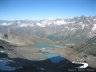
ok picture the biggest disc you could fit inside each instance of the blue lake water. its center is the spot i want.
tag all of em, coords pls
(45, 46)
(53, 57)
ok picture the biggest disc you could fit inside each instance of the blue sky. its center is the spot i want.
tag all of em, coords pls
(43, 9)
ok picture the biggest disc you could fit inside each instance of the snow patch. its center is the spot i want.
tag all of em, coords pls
(94, 27)
(26, 25)
(41, 25)
(6, 24)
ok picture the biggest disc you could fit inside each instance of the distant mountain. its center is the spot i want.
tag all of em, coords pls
(71, 31)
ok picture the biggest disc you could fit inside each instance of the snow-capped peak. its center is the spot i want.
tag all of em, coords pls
(5, 24)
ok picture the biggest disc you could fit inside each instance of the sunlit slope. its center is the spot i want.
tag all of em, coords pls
(19, 38)
(89, 46)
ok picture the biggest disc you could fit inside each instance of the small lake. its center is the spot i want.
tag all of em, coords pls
(53, 57)
(45, 46)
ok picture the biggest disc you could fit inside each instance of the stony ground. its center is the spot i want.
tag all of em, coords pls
(36, 54)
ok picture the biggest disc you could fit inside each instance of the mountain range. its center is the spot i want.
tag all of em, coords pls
(70, 32)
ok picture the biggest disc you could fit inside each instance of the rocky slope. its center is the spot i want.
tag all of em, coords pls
(71, 32)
